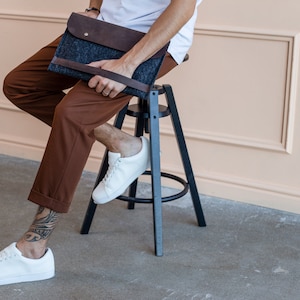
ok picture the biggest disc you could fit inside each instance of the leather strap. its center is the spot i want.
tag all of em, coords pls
(104, 73)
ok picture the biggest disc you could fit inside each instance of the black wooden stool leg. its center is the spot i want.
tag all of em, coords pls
(184, 155)
(90, 212)
(155, 171)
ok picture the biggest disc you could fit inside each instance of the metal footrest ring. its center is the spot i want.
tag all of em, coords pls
(163, 199)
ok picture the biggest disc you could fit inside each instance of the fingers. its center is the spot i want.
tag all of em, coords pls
(107, 92)
(99, 84)
(103, 86)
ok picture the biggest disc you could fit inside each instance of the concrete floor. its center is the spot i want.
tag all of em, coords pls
(245, 252)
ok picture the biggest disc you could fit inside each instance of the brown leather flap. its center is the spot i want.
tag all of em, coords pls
(106, 34)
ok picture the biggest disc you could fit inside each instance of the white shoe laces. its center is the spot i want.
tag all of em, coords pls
(111, 170)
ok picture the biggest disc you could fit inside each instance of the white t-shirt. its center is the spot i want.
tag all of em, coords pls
(140, 15)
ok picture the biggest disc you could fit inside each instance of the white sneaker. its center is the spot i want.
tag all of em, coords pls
(15, 268)
(122, 171)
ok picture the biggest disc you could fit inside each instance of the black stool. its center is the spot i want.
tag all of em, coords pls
(147, 114)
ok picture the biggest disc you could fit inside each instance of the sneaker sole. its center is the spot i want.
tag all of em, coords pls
(28, 278)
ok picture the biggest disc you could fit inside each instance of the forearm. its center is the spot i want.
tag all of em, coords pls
(160, 33)
(165, 27)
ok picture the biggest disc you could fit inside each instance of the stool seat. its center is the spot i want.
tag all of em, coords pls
(147, 113)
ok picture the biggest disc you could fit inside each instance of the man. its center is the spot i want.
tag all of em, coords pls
(79, 117)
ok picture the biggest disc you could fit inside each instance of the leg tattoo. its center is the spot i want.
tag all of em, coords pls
(42, 226)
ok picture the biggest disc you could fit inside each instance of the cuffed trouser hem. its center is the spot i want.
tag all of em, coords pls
(48, 202)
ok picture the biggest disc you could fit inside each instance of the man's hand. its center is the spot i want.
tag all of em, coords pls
(105, 86)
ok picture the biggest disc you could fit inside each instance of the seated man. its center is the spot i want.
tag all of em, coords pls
(79, 117)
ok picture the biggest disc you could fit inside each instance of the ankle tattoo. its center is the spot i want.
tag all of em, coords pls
(42, 226)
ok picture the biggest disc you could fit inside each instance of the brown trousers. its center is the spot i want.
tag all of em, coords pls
(72, 116)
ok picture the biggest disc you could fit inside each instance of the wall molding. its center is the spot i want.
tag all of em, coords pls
(212, 137)
(292, 40)
(6, 105)
(244, 190)
(265, 187)
(190, 134)
(33, 16)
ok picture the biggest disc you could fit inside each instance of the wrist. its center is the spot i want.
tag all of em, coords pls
(95, 9)
(130, 62)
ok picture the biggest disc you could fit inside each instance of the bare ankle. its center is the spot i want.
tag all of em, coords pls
(131, 147)
(117, 141)
(31, 250)
(34, 241)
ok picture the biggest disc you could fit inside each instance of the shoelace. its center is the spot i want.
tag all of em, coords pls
(111, 170)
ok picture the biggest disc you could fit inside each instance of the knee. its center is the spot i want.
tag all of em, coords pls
(19, 89)
(8, 87)
(11, 88)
